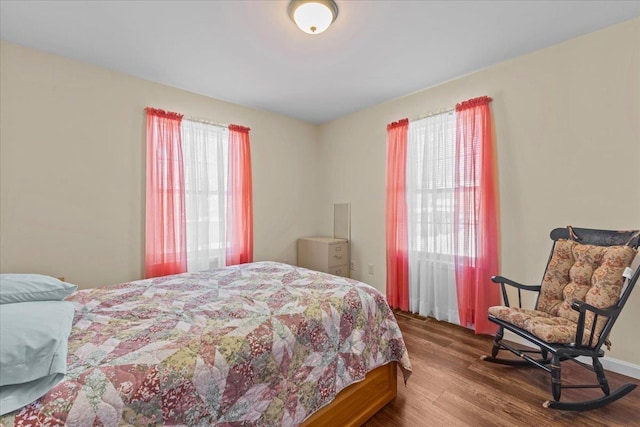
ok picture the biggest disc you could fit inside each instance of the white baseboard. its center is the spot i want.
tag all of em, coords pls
(609, 363)
(618, 366)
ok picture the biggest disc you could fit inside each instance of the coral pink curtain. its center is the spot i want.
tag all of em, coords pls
(240, 205)
(165, 233)
(475, 215)
(396, 216)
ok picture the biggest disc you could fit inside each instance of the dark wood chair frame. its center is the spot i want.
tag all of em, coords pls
(550, 354)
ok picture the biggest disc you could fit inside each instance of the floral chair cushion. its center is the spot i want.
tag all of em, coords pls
(575, 272)
(552, 329)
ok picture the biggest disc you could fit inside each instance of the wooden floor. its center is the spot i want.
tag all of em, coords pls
(451, 386)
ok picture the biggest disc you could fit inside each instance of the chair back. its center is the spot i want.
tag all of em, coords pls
(588, 265)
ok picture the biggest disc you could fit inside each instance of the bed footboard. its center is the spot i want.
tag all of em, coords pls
(357, 403)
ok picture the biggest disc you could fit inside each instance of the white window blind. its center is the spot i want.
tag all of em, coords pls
(205, 156)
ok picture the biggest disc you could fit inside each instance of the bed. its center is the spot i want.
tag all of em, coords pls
(264, 344)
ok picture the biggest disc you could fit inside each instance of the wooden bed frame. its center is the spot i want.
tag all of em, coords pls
(357, 403)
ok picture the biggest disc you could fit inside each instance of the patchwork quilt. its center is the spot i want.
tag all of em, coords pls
(263, 344)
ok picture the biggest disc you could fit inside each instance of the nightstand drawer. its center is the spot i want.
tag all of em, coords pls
(340, 270)
(338, 254)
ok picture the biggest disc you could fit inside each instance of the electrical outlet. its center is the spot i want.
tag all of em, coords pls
(370, 268)
(353, 265)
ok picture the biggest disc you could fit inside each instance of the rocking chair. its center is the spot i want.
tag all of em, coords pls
(582, 294)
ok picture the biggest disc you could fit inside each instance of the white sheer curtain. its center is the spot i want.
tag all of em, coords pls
(205, 148)
(430, 198)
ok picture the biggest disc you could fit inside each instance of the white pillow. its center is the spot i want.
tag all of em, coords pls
(33, 287)
(33, 354)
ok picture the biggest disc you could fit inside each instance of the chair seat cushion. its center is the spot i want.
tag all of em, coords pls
(551, 329)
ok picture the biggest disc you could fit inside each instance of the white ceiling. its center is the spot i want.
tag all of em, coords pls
(250, 53)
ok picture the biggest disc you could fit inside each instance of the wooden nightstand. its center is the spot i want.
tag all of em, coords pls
(324, 254)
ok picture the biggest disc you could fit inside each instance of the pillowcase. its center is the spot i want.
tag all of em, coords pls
(33, 287)
(33, 354)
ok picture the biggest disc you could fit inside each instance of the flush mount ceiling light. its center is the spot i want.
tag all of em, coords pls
(313, 16)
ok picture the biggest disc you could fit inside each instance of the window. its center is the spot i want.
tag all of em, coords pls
(441, 215)
(199, 198)
(430, 185)
(205, 152)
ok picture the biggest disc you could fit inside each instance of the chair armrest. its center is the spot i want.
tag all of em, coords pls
(504, 281)
(500, 279)
(582, 307)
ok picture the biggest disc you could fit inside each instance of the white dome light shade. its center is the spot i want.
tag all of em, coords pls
(313, 17)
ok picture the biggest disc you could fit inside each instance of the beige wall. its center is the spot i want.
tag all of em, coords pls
(567, 122)
(72, 168)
